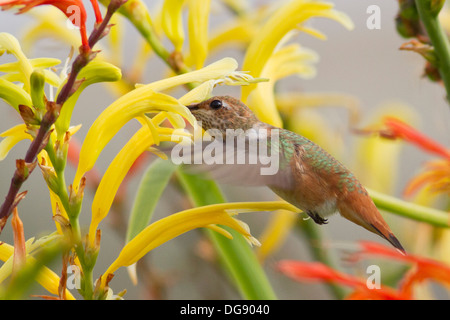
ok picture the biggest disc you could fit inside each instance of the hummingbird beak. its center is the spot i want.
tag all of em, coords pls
(193, 107)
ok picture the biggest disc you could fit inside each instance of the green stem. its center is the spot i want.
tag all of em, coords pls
(320, 253)
(410, 210)
(438, 39)
(239, 259)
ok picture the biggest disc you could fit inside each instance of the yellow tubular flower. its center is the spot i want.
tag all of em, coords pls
(176, 224)
(116, 172)
(142, 100)
(11, 45)
(287, 61)
(240, 32)
(221, 69)
(172, 22)
(198, 30)
(46, 277)
(14, 94)
(113, 118)
(199, 93)
(48, 25)
(281, 22)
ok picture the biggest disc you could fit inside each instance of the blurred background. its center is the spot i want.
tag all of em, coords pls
(365, 64)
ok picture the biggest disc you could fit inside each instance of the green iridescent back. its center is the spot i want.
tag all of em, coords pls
(319, 159)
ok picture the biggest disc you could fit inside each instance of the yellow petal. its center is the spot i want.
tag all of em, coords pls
(242, 30)
(199, 93)
(9, 43)
(290, 60)
(114, 176)
(274, 30)
(287, 61)
(313, 32)
(39, 63)
(218, 70)
(12, 137)
(14, 94)
(48, 25)
(239, 32)
(172, 22)
(198, 30)
(172, 226)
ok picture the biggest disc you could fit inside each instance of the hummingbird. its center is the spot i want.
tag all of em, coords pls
(308, 176)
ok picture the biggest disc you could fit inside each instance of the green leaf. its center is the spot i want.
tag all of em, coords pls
(151, 187)
(239, 259)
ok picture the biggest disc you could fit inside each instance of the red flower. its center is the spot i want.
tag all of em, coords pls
(437, 173)
(421, 269)
(316, 271)
(68, 7)
(399, 129)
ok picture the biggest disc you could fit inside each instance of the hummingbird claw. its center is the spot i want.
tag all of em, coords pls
(317, 218)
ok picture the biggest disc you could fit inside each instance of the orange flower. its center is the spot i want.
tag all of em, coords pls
(399, 129)
(68, 7)
(437, 173)
(421, 269)
(316, 271)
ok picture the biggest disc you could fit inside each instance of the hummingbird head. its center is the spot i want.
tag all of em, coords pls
(223, 112)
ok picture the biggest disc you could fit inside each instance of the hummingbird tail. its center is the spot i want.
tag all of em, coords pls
(391, 238)
(367, 216)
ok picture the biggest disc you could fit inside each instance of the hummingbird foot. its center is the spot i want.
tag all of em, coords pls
(317, 218)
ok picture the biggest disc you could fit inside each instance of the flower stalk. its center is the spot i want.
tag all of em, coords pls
(428, 14)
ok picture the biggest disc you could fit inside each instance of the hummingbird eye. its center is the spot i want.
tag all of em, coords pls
(216, 104)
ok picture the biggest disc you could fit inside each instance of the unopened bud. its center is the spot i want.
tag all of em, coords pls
(76, 197)
(50, 177)
(37, 83)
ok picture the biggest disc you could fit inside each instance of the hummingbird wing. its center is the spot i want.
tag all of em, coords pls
(247, 160)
